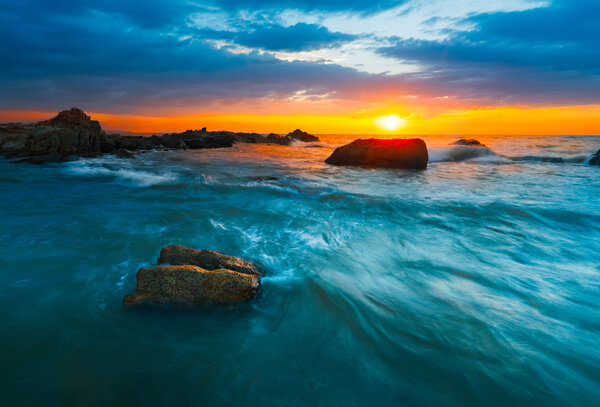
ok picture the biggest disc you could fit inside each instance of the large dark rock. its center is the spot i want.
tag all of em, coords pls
(382, 153)
(468, 142)
(207, 259)
(595, 159)
(70, 133)
(74, 119)
(190, 286)
(302, 136)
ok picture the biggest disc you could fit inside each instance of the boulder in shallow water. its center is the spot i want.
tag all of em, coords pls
(595, 159)
(470, 142)
(189, 286)
(382, 153)
(207, 259)
(302, 136)
(122, 153)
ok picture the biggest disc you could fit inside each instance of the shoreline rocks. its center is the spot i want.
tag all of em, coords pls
(382, 153)
(188, 278)
(72, 133)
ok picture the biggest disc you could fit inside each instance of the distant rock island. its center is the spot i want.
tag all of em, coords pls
(72, 133)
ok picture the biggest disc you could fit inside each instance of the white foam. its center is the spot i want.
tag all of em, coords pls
(135, 177)
(461, 153)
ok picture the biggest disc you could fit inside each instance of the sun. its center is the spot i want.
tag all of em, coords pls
(391, 122)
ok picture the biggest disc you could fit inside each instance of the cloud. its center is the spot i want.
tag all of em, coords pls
(362, 6)
(105, 60)
(546, 54)
(298, 37)
(120, 56)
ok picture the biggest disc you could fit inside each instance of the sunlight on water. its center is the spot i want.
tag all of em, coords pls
(476, 279)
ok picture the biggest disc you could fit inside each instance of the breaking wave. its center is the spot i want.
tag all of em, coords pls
(113, 168)
(463, 153)
(484, 154)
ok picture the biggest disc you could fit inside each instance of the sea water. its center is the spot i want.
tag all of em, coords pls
(474, 282)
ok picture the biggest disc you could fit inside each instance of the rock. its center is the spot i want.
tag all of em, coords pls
(74, 119)
(190, 286)
(207, 259)
(264, 178)
(72, 133)
(595, 159)
(382, 153)
(302, 136)
(277, 139)
(122, 153)
(196, 139)
(13, 143)
(468, 142)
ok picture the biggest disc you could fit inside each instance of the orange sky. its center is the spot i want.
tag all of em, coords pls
(576, 120)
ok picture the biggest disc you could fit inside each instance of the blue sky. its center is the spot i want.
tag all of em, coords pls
(131, 56)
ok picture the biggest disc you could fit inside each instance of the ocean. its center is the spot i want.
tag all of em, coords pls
(474, 282)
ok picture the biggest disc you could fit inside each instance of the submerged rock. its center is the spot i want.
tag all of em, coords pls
(207, 259)
(468, 142)
(302, 136)
(382, 153)
(190, 286)
(122, 153)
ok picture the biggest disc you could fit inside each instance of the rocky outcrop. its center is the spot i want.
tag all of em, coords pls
(382, 153)
(207, 259)
(74, 119)
(302, 136)
(595, 159)
(72, 133)
(190, 286)
(188, 278)
(468, 142)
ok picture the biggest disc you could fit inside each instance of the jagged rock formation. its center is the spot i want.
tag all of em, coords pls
(72, 133)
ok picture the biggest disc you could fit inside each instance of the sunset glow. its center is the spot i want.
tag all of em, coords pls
(408, 67)
(390, 123)
(576, 120)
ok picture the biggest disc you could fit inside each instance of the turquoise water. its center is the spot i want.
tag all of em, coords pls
(475, 282)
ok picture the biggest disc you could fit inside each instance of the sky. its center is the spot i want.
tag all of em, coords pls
(354, 66)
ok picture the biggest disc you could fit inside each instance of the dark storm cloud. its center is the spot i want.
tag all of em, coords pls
(549, 54)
